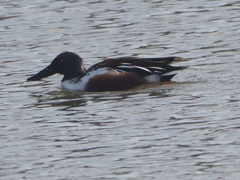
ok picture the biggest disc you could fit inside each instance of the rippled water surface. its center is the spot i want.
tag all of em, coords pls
(185, 129)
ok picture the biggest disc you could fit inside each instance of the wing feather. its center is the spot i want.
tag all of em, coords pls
(141, 66)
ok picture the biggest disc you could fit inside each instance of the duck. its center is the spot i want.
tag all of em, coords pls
(111, 74)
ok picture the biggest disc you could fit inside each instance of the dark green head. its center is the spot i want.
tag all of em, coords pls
(67, 63)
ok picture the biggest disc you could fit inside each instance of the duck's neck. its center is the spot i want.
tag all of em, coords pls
(77, 71)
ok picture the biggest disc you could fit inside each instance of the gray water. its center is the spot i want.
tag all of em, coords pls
(185, 129)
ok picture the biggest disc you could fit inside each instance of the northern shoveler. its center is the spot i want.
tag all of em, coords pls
(114, 74)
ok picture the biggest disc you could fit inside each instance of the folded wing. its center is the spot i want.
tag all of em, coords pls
(143, 67)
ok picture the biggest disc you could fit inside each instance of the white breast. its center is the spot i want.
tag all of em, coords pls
(75, 84)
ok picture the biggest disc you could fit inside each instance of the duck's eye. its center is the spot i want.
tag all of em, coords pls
(61, 60)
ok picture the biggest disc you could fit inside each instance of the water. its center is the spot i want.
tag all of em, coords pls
(185, 129)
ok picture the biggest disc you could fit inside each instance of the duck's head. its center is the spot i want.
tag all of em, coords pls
(67, 63)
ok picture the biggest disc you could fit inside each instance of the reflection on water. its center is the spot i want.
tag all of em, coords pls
(185, 129)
